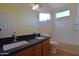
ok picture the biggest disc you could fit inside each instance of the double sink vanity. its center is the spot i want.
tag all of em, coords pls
(26, 45)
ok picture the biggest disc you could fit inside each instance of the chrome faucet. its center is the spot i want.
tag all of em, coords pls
(15, 37)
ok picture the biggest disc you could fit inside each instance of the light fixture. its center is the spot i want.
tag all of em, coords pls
(35, 6)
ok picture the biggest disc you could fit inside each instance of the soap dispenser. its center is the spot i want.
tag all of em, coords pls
(14, 36)
(0, 29)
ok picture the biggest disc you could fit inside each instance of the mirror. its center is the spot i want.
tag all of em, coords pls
(19, 18)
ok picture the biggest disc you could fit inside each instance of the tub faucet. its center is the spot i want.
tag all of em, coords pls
(14, 36)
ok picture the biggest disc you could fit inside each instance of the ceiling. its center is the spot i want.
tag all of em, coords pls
(45, 7)
(56, 5)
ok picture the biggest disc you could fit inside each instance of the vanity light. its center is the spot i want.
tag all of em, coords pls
(35, 6)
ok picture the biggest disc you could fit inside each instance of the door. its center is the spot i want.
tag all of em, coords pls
(63, 29)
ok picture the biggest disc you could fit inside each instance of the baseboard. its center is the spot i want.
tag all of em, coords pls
(70, 52)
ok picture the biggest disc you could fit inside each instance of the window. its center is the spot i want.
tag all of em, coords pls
(44, 16)
(63, 14)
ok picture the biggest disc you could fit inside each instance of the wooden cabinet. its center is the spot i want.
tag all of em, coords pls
(45, 48)
(25, 52)
(37, 49)
(40, 49)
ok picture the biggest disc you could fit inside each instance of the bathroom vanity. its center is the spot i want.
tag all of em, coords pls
(39, 49)
(32, 47)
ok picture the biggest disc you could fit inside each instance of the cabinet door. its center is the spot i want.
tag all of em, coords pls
(25, 52)
(45, 48)
(37, 49)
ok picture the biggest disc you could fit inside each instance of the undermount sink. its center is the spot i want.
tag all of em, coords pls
(40, 37)
(14, 45)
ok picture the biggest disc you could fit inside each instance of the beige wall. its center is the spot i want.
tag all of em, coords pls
(17, 17)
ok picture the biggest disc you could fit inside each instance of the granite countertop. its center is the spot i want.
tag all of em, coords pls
(12, 51)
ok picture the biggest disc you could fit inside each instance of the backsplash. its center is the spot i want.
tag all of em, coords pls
(6, 40)
(19, 38)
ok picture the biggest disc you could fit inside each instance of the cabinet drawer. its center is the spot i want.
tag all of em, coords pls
(37, 53)
(37, 46)
(38, 50)
(46, 42)
(25, 52)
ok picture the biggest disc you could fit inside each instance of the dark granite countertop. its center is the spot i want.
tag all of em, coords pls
(12, 51)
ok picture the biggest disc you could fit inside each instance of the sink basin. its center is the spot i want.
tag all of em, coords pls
(14, 45)
(40, 37)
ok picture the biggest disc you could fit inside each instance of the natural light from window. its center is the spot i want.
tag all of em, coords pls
(44, 16)
(63, 14)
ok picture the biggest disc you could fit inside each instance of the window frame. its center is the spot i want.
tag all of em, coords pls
(42, 16)
(63, 12)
